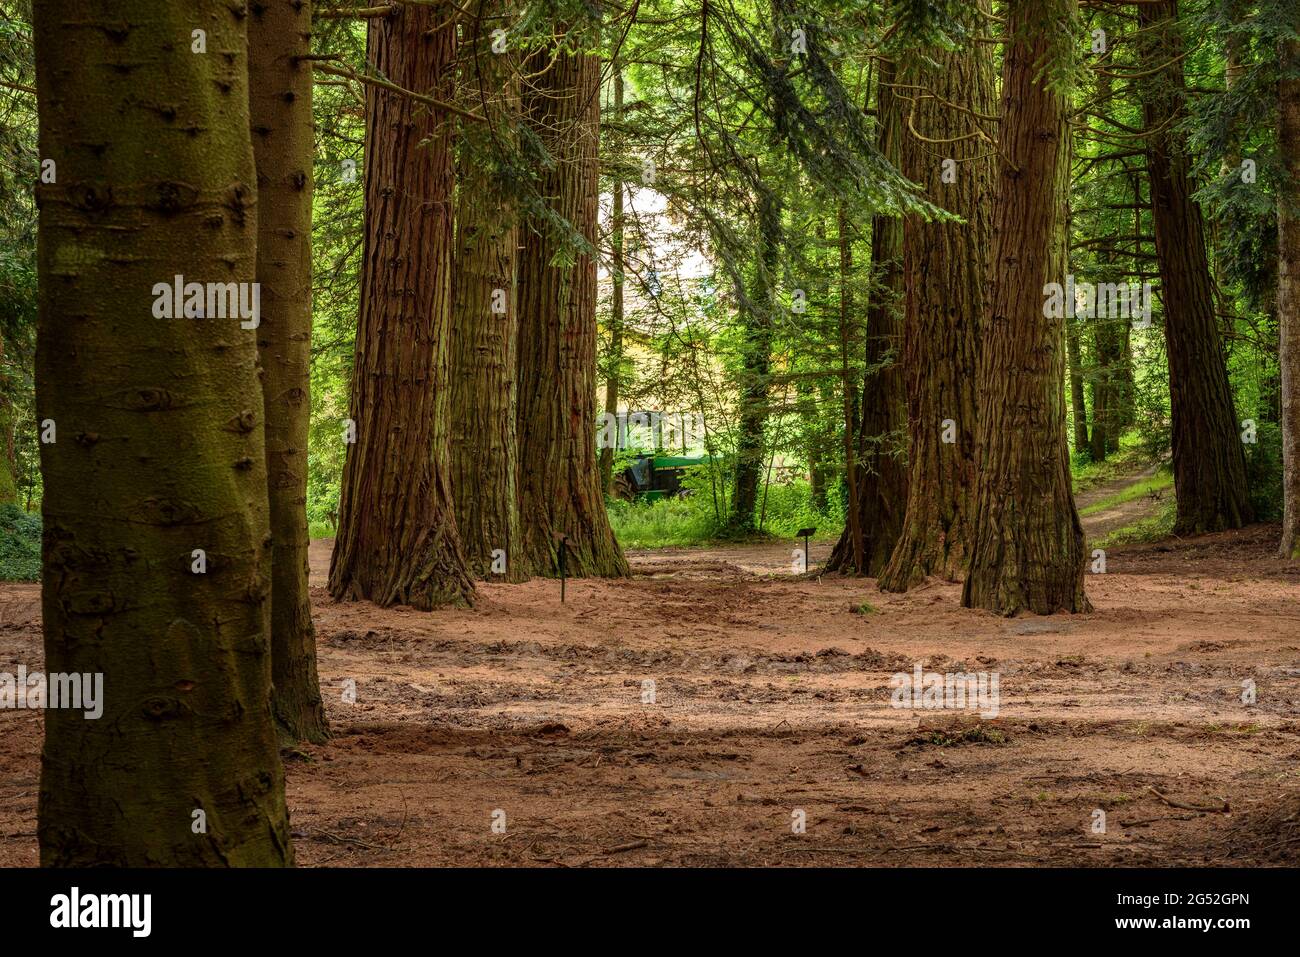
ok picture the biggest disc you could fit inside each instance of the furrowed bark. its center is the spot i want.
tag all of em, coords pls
(159, 449)
(1288, 294)
(280, 94)
(485, 321)
(946, 264)
(397, 541)
(559, 484)
(1028, 546)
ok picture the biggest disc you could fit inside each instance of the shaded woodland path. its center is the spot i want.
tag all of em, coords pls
(1097, 525)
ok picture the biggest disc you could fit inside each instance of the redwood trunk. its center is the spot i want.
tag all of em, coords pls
(1028, 546)
(945, 265)
(485, 325)
(1209, 461)
(559, 483)
(397, 542)
(1288, 294)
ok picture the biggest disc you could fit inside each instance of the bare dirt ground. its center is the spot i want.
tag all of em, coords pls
(772, 696)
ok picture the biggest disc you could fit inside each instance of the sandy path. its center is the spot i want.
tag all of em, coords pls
(772, 697)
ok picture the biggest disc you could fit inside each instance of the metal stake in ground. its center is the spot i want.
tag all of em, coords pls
(804, 533)
(564, 556)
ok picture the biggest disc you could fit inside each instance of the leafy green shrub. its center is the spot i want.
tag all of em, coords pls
(666, 522)
(690, 519)
(1264, 472)
(20, 545)
(790, 507)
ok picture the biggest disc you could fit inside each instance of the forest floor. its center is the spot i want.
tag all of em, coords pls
(772, 696)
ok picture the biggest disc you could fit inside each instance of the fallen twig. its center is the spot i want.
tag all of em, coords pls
(1184, 806)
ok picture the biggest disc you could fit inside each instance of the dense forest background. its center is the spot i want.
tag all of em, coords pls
(739, 178)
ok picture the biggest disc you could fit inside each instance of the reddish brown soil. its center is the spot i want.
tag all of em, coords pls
(772, 696)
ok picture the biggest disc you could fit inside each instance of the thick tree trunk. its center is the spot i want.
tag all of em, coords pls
(1028, 548)
(881, 441)
(280, 88)
(484, 453)
(559, 485)
(397, 542)
(1209, 461)
(159, 450)
(1288, 293)
(946, 266)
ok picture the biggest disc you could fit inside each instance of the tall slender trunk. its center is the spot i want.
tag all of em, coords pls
(946, 266)
(1109, 345)
(1234, 68)
(1209, 461)
(883, 473)
(1288, 289)
(484, 453)
(559, 485)
(280, 88)
(397, 541)
(756, 362)
(1078, 407)
(811, 430)
(1028, 550)
(157, 545)
(850, 551)
(8, 461)
(614, 357)
(1124, 400)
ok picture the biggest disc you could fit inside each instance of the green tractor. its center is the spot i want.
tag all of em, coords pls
(652, 477)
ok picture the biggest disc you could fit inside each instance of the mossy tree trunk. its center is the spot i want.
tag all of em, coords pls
(280, 88)
(1027, 549)
(159, 449)
(397, 540)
